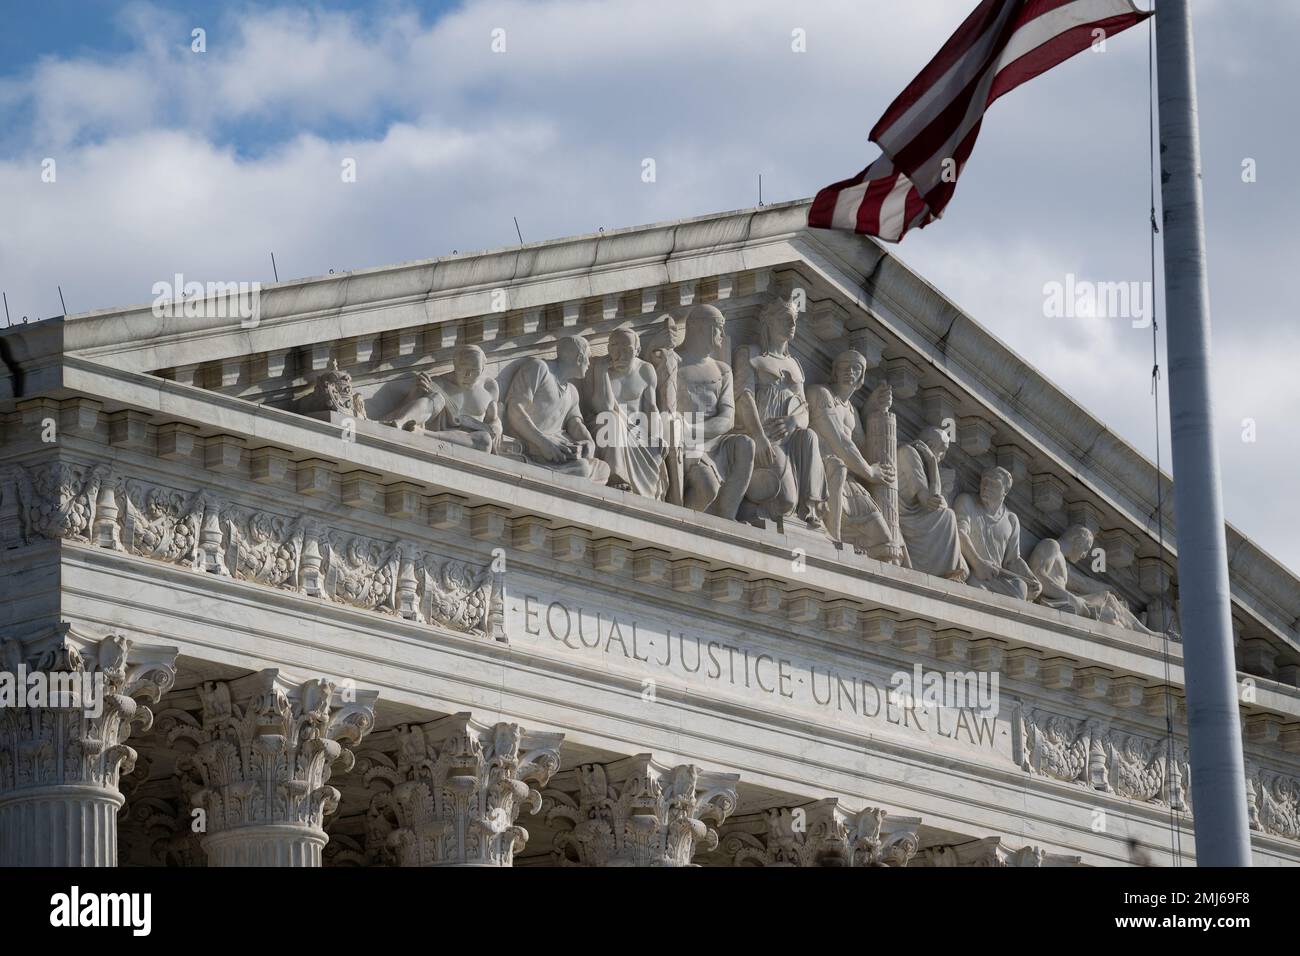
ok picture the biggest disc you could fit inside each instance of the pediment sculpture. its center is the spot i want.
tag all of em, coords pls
(664, 416)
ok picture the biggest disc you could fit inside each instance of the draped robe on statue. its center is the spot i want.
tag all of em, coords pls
(930, 534)
(626, 429)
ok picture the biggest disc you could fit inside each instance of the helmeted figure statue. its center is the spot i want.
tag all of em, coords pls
(928, 525)
(1066, 588)
(853, 514)
(773, 410)
(990, 539)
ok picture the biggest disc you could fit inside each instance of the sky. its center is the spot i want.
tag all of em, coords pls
(458, 117)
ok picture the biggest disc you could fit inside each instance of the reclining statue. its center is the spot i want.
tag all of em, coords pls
(1066, 588)
(460, 406)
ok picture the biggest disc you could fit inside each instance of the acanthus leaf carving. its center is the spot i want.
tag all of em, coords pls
(97, 695)
(638, 812)
(457, 790)
(823, 834)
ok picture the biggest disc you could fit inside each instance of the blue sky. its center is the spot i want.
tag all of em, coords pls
(171, 161)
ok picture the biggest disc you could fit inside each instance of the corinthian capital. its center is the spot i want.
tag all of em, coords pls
(68, 704)
(260, 761)
(821, 834)
(991, 851)
(639, 812)
(457, 789)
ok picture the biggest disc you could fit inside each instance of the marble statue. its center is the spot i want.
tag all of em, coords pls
(1066, 588)
(928, 525)
(990, 539)
(461, 406)
(773, 410)
(620, 395)
(853, 514)
(544, 413)
(717, 462)
(332, 392)
(659, 348)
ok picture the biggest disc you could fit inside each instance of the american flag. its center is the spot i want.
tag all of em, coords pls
(927, 134)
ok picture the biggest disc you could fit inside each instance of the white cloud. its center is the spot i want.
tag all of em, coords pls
(203, 163)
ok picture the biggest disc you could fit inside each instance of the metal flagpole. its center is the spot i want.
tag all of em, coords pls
(1218, 772)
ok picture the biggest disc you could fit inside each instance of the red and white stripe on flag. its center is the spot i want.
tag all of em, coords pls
(927, 134)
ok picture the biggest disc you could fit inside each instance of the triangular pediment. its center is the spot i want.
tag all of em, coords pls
(382, 326)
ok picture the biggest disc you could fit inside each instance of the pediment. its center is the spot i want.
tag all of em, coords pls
(383, 326)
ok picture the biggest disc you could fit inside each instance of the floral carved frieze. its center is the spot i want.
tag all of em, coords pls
(1091, 753)
(59, 500)
(201, 531)
(1273, 802)
(1139, 767)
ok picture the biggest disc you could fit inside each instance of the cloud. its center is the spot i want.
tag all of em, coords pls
(173, 161)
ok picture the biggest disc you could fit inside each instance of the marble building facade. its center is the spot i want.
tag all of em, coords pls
(605, 551)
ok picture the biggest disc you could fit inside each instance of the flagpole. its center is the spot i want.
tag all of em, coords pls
(1218, 772)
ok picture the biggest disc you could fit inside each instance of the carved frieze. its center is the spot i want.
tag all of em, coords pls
(202, 532)
(1273, 802)
(60, 499)
(163, 524)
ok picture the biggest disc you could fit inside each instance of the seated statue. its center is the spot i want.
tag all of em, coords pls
(620, 398)
(460, 406)
(928, 526)
(773, 411)
(543, 412)
(832, 415)
(1066, 588)
(990, 539)
(716, 462)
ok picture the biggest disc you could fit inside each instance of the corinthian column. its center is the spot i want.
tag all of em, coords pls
(67, 706)
(639, 812)
(262, 756)
(458, 787)
(993, 852)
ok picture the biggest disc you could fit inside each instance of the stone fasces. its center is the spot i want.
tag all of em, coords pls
(638, 812)
(454, 793)
(257, 761)
(61, 759)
